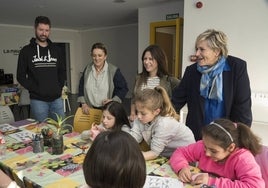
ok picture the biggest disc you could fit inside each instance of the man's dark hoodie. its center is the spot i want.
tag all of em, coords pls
(41, 70)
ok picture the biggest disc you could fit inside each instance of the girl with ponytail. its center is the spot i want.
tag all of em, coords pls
(158, 125)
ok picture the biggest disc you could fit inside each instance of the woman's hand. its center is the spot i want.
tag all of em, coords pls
(105, 101)
(185, 175)
(85, 109)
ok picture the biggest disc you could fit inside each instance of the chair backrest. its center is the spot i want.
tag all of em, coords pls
(6, 115)
(30, 184)
(24, 97)
(83, 122)
(262, 160)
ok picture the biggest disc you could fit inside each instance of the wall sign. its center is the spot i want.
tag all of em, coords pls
(172, 16)
(12, 51)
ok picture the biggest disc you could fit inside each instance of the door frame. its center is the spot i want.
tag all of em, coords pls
(178, 24)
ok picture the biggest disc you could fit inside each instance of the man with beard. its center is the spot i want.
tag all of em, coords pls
(41, 71)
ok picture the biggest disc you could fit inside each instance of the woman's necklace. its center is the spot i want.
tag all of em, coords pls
(99, 69)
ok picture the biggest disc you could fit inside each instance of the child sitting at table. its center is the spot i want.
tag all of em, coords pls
(114, 160)
(114, 117)
(226, 155)
(157, 124)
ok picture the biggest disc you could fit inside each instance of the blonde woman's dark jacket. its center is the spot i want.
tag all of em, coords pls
(236, 94)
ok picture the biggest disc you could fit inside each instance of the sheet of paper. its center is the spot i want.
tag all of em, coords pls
(23, 136)
(162, 182)
(6, 127)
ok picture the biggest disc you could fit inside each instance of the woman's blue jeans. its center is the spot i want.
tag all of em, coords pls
(41, 109)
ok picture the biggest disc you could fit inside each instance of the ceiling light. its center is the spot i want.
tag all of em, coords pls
(119, 1)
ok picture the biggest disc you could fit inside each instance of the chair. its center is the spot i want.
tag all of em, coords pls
(30, 184)
(144, 146)
(24, 103)
(83, 122)
(262, 160)
(6, 115)
(65, 98)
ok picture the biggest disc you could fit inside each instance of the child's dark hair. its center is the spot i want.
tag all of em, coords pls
(225, 132)
(43, 20)
(156, 98)
(117, 110)
(114, 160)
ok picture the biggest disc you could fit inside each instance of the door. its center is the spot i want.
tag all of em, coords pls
(170, 33)
(65, 50)
(165, 40)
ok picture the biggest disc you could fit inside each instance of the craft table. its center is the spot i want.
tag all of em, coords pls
(56, 171)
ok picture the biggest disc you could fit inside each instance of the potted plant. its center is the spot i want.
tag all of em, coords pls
(57, 136)
(47, 134)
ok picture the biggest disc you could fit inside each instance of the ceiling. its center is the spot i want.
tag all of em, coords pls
(75, 14)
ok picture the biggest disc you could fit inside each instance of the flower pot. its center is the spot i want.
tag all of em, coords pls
(57, 144)
(48, 141)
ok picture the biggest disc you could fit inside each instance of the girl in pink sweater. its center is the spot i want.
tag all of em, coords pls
(226, 155)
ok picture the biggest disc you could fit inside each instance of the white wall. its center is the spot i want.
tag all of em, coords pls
(154, 14)
(245, 22)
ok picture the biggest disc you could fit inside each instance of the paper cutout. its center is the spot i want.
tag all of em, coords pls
(162, 182)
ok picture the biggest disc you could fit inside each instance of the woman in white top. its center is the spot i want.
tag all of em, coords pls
(101, 82)
(154, 74)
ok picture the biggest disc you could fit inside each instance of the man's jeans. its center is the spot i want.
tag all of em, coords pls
(42, 110)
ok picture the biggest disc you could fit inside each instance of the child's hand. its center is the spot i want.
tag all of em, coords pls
(87, 134)
(94, 126)
(94, 133)
(199, 179)
(132, 117)
(101, 129)
(185, 175)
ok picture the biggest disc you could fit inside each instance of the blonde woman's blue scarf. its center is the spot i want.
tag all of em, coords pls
(211, 80)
